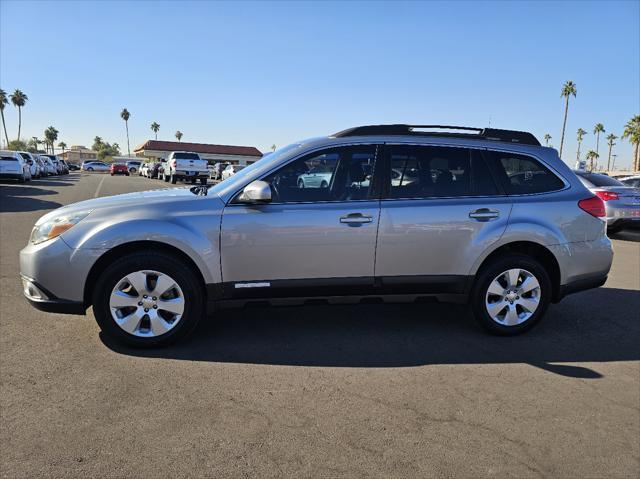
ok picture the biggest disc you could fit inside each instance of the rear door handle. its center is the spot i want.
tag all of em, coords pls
(484, 214)
(355, 219)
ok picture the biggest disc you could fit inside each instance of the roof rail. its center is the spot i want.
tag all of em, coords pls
(510, 136)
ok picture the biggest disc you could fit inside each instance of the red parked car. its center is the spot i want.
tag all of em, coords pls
(119, 169)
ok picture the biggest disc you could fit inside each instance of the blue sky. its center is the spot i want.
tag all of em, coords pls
(262, 73)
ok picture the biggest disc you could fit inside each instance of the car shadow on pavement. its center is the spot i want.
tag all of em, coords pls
(597, 326)
(19, 198)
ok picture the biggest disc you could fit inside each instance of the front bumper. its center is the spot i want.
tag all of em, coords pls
(46, 301)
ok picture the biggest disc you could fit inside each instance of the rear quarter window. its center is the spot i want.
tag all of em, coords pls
(522, 174)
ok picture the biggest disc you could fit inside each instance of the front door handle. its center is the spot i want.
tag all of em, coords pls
(484, 214)
(355, 219)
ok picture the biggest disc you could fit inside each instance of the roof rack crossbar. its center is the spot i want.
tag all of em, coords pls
(511, 136)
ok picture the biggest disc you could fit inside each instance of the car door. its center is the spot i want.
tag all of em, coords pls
(440, 210)
(306, 241)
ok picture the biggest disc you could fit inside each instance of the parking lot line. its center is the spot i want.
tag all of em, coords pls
(99, 187)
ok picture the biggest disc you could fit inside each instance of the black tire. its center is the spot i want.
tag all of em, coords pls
(158, 261)
(193, 181)
(89, 169)
(173, 179)
(614, 229)
(203, 181)
(485, 277)
(165, 178)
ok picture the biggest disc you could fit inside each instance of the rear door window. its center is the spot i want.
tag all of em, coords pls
(8, 158)
(522, 174)
(438, 172)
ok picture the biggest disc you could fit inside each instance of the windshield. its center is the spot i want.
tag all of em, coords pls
(8, 158)
(600, 180)
(240, 175)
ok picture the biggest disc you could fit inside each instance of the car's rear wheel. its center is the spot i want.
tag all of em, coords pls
(203, 181)
(511, 294)
(89, 169)
(148, 300)
(173, 179)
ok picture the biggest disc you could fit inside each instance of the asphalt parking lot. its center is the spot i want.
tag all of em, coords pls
(325, 391)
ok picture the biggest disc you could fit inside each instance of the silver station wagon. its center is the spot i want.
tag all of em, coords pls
(481, 216)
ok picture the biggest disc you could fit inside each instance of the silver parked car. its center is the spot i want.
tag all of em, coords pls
(13, 166)
(488, 217)
(95, 165)
(622, 202)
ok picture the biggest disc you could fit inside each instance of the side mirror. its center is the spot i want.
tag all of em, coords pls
(256, 192)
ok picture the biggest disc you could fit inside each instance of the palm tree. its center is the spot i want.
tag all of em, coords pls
(4, 102)
(124, 114)
(154, 128)
(632, 132)
(611, 138)
(63, 146)
(19, 99)
(179, 135)
(50, 136)
(599, 128)
(547, 137)
(273, 147)
(568, 89)
(579, 137)
(592, 155)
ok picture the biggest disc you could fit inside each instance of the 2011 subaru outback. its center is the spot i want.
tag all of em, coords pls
(483, 216)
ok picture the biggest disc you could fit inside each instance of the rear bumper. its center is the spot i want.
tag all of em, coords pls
(192, 174)
(580, 285)
(11, 176)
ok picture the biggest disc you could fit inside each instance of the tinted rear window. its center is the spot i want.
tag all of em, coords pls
(600, 180)
(186, 156)
(521, 174)
(8, 158)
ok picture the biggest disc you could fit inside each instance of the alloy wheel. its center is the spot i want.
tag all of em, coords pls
(147, 303)
(513, 297)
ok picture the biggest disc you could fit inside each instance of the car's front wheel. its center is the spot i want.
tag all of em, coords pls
(511, 294)
(148, 300)
(173, 179)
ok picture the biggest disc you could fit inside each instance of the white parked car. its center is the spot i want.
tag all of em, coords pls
(186, 166)
(49, 167)
(231, 170)
(13, 166)
(144, 169)
(95, 166)
(133, 166)
(630, 180)
(34, 167)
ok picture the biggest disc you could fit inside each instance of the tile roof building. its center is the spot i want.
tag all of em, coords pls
(238, 155)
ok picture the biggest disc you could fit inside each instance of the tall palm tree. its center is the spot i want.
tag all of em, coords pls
(4, 102)
(632, 132)
(568, 89)
(547, 137)
(579, 136)
(611, 138)
(124, 114)
(599, 128)
(154, 128)
(592, 155)
(50, 136)
(179, 135)
(19, 99)
(62, 145)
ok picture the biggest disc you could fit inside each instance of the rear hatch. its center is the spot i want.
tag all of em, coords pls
(9, 164)
(190, 162)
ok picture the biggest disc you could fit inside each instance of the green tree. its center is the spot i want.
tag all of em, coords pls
(547, 137)
(632, 132)
(63, 146)
(97, 144)
(17, 145)
(154, 128)
(32, 144)
(579, 136)
(19, 99)
(4, 101)
(179, 135)
(591, 156)
(611, 138)
(125, 115)
(599, 128)
(568, 89)
(273, 147)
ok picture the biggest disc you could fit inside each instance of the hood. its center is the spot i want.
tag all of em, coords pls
(141, 198)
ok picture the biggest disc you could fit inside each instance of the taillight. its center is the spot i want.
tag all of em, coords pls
(594, 206)
(607, 195)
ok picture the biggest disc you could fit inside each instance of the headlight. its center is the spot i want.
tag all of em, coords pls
(56, 226)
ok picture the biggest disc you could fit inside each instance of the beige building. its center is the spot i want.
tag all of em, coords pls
(237, 155)
(78, 154)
